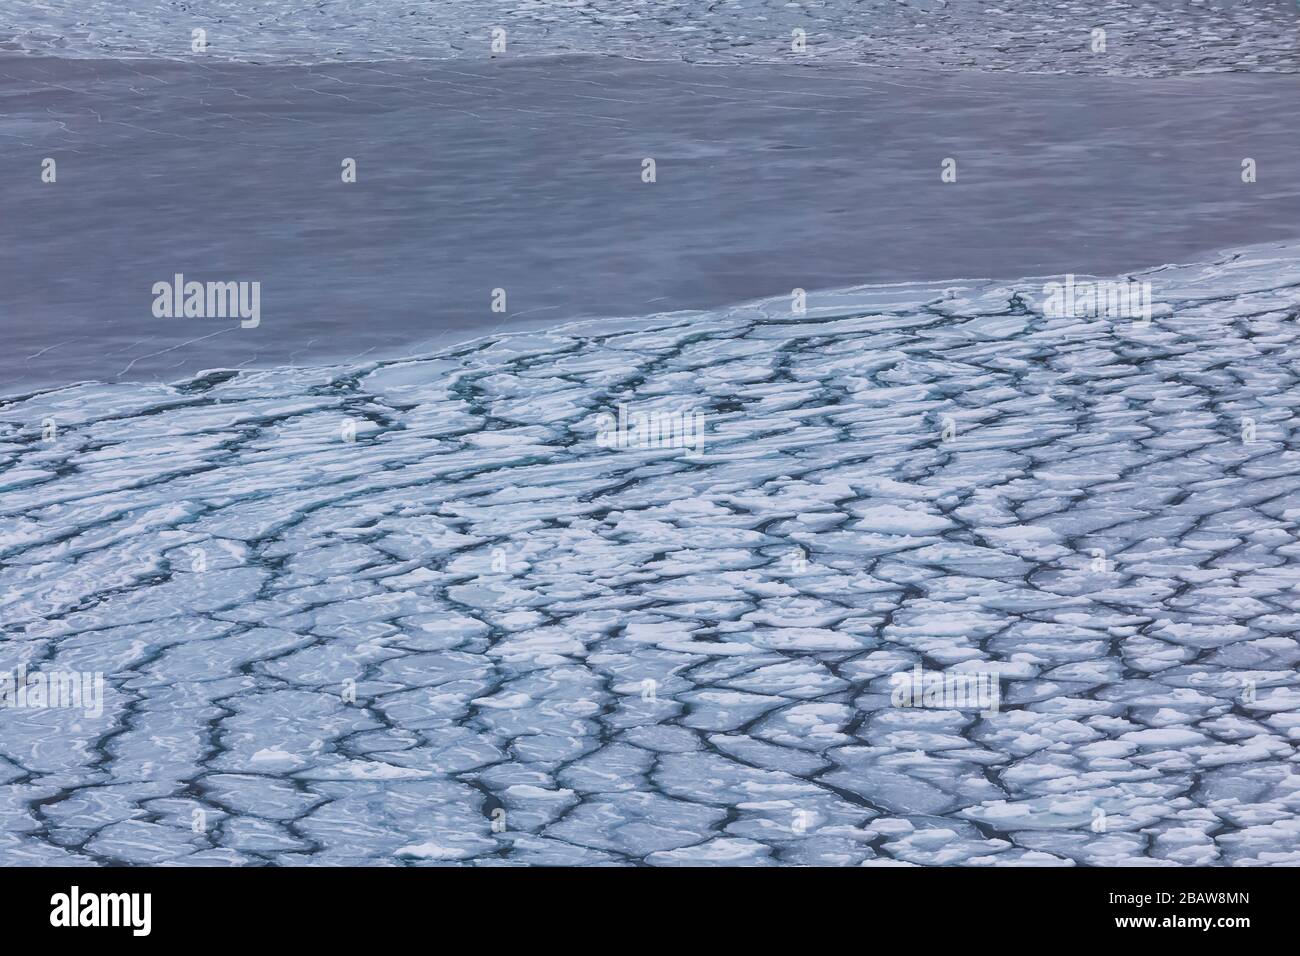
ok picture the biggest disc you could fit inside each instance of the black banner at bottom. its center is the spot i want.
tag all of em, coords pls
(339, 906)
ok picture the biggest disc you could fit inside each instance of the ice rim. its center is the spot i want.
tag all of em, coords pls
(1170, 282)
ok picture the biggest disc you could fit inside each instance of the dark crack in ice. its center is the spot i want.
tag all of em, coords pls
(413, 612)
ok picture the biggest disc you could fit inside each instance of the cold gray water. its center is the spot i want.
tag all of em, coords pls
(526, 176)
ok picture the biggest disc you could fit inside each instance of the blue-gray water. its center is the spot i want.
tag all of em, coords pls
(525, 175)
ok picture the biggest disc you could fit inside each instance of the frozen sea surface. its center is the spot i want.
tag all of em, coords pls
(1144, 37)
(413, 612)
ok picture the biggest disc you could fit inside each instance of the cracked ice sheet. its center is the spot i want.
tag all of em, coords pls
(413, 613)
